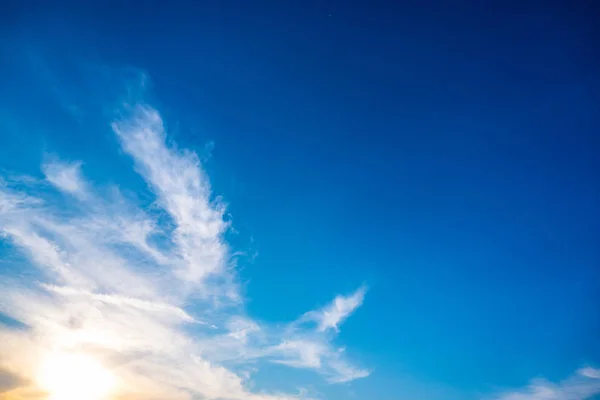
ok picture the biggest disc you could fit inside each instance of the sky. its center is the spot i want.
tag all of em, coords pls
(299, 200)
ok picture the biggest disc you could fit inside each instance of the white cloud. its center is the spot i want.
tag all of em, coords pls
(308, 347)
(584, 384)
(118, 300)
(301, 353)
(182, 189)
(589, 372)
(334, 314)
(66, 177)
(318, 354)
(156, 302)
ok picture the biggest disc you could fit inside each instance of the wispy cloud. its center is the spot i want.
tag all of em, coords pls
(66, 177)
(334, 314)
(582, 385)
(151, 293)
(311, 347)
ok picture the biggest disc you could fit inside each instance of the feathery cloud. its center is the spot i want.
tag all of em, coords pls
(150, 293)
(334, 314)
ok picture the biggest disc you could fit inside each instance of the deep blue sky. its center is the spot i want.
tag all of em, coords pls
(444, 153)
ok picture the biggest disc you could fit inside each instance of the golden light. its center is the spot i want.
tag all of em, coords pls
(74, 376)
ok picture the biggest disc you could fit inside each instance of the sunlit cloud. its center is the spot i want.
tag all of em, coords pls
(143, 302)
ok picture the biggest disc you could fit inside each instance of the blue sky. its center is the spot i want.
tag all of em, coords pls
(314, 200)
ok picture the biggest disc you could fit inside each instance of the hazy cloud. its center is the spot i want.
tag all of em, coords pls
(582, 385)
(66, 177)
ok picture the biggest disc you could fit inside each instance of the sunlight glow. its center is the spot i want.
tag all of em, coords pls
(73, 376)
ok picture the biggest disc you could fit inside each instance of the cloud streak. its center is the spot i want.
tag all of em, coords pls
(582, 385)
(149, 292)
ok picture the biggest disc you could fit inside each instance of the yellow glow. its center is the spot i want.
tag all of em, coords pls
(73, 376)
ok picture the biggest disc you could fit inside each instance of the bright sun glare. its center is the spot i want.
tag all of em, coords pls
(74, 376)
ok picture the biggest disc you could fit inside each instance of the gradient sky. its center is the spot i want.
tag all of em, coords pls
(348, 200)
